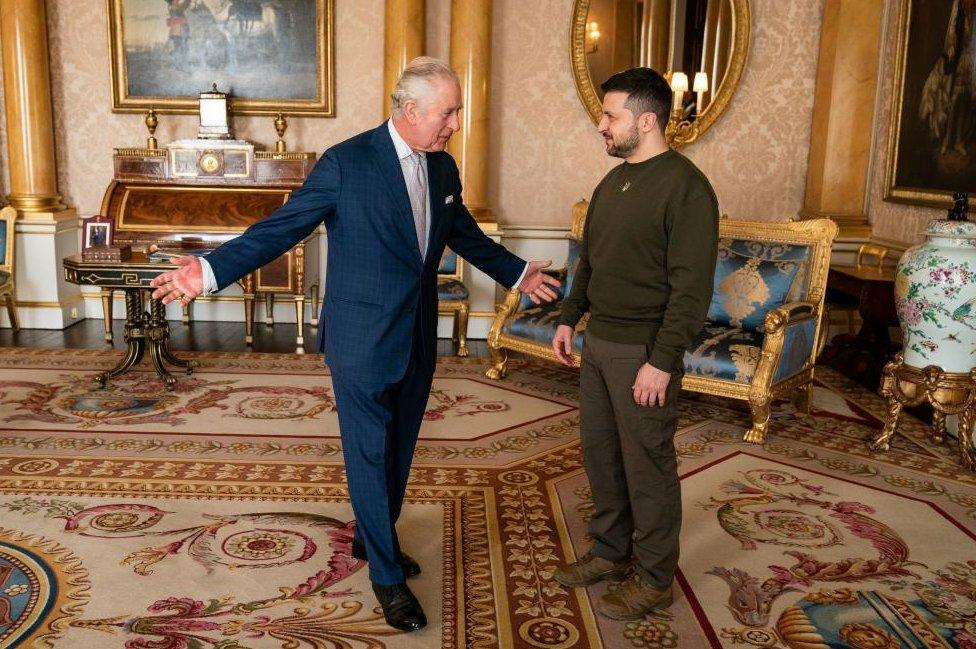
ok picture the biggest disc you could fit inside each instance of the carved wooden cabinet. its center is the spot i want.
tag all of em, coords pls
(192, 195)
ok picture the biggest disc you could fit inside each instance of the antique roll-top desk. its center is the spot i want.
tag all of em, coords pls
(192, 195)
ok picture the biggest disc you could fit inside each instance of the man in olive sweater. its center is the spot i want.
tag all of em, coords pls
(645, 277)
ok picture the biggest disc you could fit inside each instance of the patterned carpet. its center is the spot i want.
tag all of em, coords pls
(216, 517)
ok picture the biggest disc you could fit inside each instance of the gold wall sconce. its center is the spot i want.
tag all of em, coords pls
(683, 123)
(592, 37)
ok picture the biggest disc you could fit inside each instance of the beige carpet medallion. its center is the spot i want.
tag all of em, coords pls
(216, 517)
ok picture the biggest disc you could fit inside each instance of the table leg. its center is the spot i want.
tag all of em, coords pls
(315, 304)
(135, 336)
(300, 321)
(248, 319)
(107, 295)
(269, 309)
(157, 333)
(158, 310)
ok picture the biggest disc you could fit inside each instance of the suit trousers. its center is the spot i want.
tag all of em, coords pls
(379, 424)
(630, 461)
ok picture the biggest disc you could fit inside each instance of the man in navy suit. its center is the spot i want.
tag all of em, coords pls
(390, 199)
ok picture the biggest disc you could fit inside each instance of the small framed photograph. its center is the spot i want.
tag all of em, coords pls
(97, 232)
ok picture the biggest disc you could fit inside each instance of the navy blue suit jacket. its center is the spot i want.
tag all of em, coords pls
(377, 288)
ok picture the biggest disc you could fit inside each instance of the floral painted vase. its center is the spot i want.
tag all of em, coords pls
(935, 295)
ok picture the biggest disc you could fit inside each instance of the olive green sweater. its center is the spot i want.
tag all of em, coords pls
(648, 257)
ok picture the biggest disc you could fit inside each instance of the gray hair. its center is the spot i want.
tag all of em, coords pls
(414, 82)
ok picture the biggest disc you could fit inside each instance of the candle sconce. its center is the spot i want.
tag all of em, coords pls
(592, 37)
(683, 124)
(650, 35)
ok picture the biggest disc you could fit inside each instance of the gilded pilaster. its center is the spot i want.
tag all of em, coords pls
(843, 115)
(404, 39)
(27, 97)
(471, 57)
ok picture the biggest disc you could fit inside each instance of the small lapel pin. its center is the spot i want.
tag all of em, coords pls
(626, 186)
(449, 199)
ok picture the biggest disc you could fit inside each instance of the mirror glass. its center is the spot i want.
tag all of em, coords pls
(693, 38)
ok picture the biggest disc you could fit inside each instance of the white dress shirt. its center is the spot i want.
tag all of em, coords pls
(403, 152)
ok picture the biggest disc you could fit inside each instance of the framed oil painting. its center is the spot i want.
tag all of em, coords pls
(932, 143)
(270, 56)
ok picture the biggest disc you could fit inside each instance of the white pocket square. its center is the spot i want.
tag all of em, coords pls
(449, 199)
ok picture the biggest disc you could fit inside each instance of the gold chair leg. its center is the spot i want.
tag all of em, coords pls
(107, 300)
(802, 398)
(461, 324)
(269, 309)
(12, 312)
(315, 304)
(300, 323)
(761, 409)
(499, 363)
(249, 319)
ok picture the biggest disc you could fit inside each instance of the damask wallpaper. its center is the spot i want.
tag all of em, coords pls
(891, 221)
(545, 152)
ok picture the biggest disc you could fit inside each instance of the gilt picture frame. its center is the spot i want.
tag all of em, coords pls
(932, 134)
(269, 56)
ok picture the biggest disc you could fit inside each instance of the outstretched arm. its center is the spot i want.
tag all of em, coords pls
(263, 242)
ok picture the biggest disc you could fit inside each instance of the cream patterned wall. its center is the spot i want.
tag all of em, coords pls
(545, 153)
(891, 221)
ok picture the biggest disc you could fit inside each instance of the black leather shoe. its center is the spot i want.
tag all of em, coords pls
(410, 567)
(400, 608)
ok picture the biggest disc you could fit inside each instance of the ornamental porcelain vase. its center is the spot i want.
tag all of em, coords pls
(935, 295)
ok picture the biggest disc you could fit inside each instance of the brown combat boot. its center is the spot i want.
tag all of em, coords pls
(590, 569)
(634, 599)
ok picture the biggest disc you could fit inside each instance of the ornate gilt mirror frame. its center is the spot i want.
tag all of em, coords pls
(685, 132)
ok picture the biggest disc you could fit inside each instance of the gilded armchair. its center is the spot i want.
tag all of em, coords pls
(763, 329)
(452, 297)
(520, 325)
(8, 217)
(764, 324)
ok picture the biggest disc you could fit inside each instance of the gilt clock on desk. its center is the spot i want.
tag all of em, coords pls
(210, 162)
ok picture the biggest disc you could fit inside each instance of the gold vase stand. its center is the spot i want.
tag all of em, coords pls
(949, 393)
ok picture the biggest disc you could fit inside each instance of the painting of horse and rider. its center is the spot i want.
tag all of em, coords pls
(269, 55)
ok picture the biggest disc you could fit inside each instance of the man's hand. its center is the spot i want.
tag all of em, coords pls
(651, 386)
(534, 284)
(184, 284)
(562, 344)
